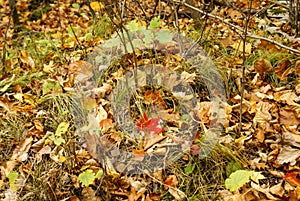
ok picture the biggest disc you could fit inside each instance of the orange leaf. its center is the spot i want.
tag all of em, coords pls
(291, 177)
(172, 181)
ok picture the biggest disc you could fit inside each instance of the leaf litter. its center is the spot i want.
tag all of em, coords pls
(270, 117)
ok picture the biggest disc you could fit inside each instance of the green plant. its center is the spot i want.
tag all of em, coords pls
(241, 177)
(88, 177)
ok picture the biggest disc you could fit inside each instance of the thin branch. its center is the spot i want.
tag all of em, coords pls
(177, 27)
(248, 17)
(4, 44)
(241, 29)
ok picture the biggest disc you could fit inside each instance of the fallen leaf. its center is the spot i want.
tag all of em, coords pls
(288, 155)
(138, 155)
(288, 117)
(189, 77)
(291, 177)
(277, 189)
(149, 125)
(283, 69)
(265, 191)
(171, 180)
(239, 47)
(262, 66)
(297, 68)
(177, 194)
(195, 149)
(154, 97)
(97, 6)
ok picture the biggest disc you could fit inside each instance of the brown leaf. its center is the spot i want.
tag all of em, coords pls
(177, 194)
(138, 155)
(106, 124)
(158, 175)
(152, 140)
(297, 68)
(152, 97)
(153, 197)
(134, 196)
(262, 113)
(288, 155)
(269, 47)
(277, 189)
(239, 46)
(283, 69)
(288, 117)
(262, 66)
(286, 96)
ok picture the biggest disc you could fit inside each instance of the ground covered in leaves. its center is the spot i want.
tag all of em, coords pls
(56, 146)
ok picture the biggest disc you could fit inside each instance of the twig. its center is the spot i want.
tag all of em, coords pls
(248, 17)
(4, 45)
(241, 29)
(178, 29)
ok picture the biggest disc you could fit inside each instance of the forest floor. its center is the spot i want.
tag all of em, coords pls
(91, 112)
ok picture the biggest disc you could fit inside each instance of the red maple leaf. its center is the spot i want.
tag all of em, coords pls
(149, 125)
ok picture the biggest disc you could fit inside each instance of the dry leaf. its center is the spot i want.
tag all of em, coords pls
(152, 140)
(262, 114)
(177, 194)
(138, 155)
(289, 117)
(283, 69)
(277, 189)
(297, 68)
(89, 194)
(288, 155)
(239, 46)
(171, 180)
(265, 191)
(106, 124)
(262, 66)
(189, 77)
(291, 177)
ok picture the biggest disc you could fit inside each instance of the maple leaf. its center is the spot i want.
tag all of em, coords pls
(149, 125)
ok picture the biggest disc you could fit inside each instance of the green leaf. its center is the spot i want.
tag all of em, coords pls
(75, 5)
(113, 42)
(189, 168)
(88, 36)
(241, 177)
(59, 141)
(86, 178)
(51, 86)
(62, 129)
(12, 176)
(155, 23)
(99, 174)
(148, 36)
(164, 36)
(133, 25)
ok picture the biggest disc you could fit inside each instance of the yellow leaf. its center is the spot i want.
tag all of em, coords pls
(97, 6)
(239, 46)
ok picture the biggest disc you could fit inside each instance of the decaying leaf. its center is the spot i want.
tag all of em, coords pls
(177, 194)
(288, 155)
(262, 66)
(171, 180)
